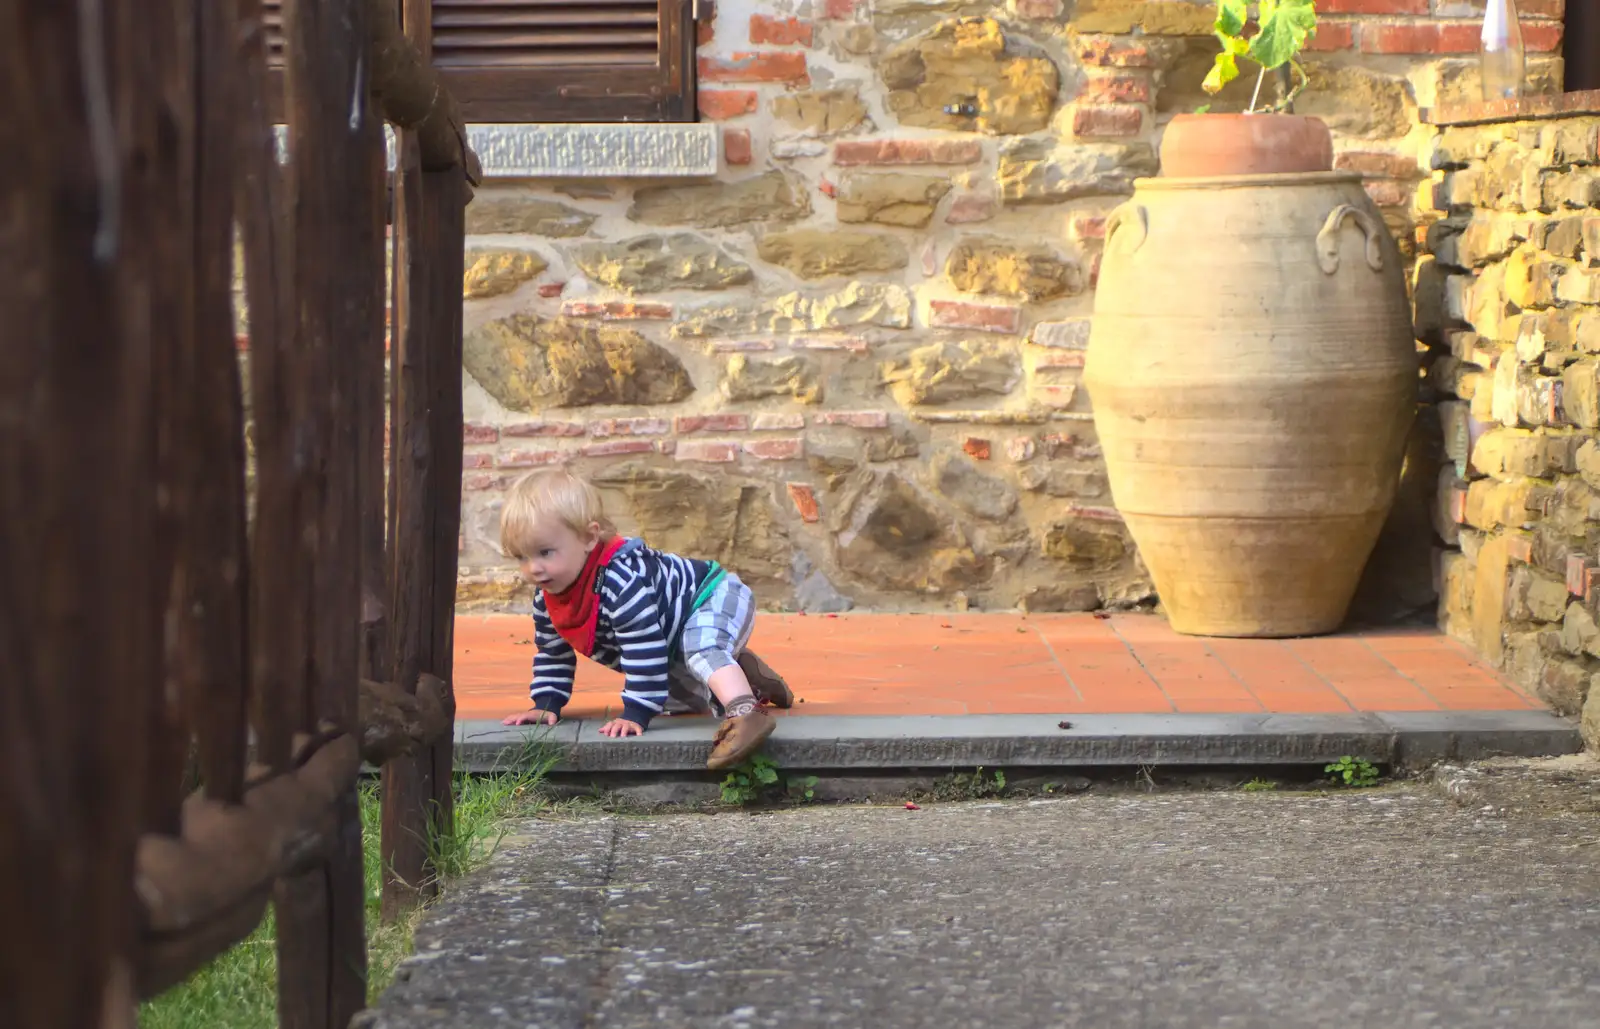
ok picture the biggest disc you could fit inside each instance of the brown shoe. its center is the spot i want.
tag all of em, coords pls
(767, 684)
(739, 738)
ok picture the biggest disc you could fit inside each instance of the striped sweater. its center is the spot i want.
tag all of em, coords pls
(645, 598)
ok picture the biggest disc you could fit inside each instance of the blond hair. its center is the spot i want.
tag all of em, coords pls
(556, 494)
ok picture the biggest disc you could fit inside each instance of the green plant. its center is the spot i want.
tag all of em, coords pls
(750, 780)
(971, 786)
(758, 780)
(1353, 771)
(484, 802)
(1259, 786)
(1282, 28)
(802, 789)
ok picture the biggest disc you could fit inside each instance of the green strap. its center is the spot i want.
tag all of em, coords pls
(713, 579)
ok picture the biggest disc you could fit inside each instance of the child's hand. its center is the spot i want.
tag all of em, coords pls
(532, 716)
(621, 727)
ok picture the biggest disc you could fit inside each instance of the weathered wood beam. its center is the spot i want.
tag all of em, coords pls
(395, 723)
(205, 890)
(412, 97)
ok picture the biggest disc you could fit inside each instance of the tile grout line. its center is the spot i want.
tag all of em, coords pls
(1320, 677)
(1051, 650)
(1420, 688)
(1206, 643)
(1133, 652)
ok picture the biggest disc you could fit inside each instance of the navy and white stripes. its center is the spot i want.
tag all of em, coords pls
(645, 597)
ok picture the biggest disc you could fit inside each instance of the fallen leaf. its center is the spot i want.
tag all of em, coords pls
(912, 807)
(1063, 725)
(1102, 616)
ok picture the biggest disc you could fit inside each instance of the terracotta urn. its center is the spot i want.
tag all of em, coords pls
(1253, 375)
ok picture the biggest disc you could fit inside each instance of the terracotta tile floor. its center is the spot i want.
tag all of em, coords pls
(1008, 664)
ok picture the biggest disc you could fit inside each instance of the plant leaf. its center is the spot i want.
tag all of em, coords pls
(1231, 17)
(1224, 71)
(1285, 27)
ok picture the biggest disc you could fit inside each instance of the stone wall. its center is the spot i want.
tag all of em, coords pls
(848, 365)
(1509, 298)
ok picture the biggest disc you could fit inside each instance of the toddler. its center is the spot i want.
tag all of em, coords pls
(676, 628)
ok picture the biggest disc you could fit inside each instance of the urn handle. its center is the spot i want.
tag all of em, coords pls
(1134, 222)
(1328, 238)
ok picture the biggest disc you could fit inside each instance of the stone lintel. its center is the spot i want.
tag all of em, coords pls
(654, 150)
(1533, 108)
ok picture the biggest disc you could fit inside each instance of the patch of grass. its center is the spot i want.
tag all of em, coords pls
(1353, 771)
(239, 989)
(483, 803)
(1259, 786)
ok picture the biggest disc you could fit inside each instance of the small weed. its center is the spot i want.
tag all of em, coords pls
(1145, 779)
(750, 780)
(759, 780)
(973, 786)
(1259, 786)
(802, 789)
(1353, 771)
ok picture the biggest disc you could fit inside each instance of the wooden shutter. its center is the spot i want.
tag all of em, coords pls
(272, 26)
(565, 60)
(548, 60)
(1582, 46)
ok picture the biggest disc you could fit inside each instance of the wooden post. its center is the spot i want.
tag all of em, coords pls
(449, 192)
(81, 595)
(333, 131)
(408, 785)
(418, 802)
(371, 344)
(279, 620)
(208, 610)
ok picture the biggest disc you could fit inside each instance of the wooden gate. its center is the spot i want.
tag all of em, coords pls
(208, 620)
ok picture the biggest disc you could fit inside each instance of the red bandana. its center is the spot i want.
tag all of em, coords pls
(575, 611)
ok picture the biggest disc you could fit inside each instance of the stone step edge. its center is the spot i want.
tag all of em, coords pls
(819, 743)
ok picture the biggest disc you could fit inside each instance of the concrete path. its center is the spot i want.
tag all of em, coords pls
(1395, 907)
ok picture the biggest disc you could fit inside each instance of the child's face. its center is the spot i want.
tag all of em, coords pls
(556, 554)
